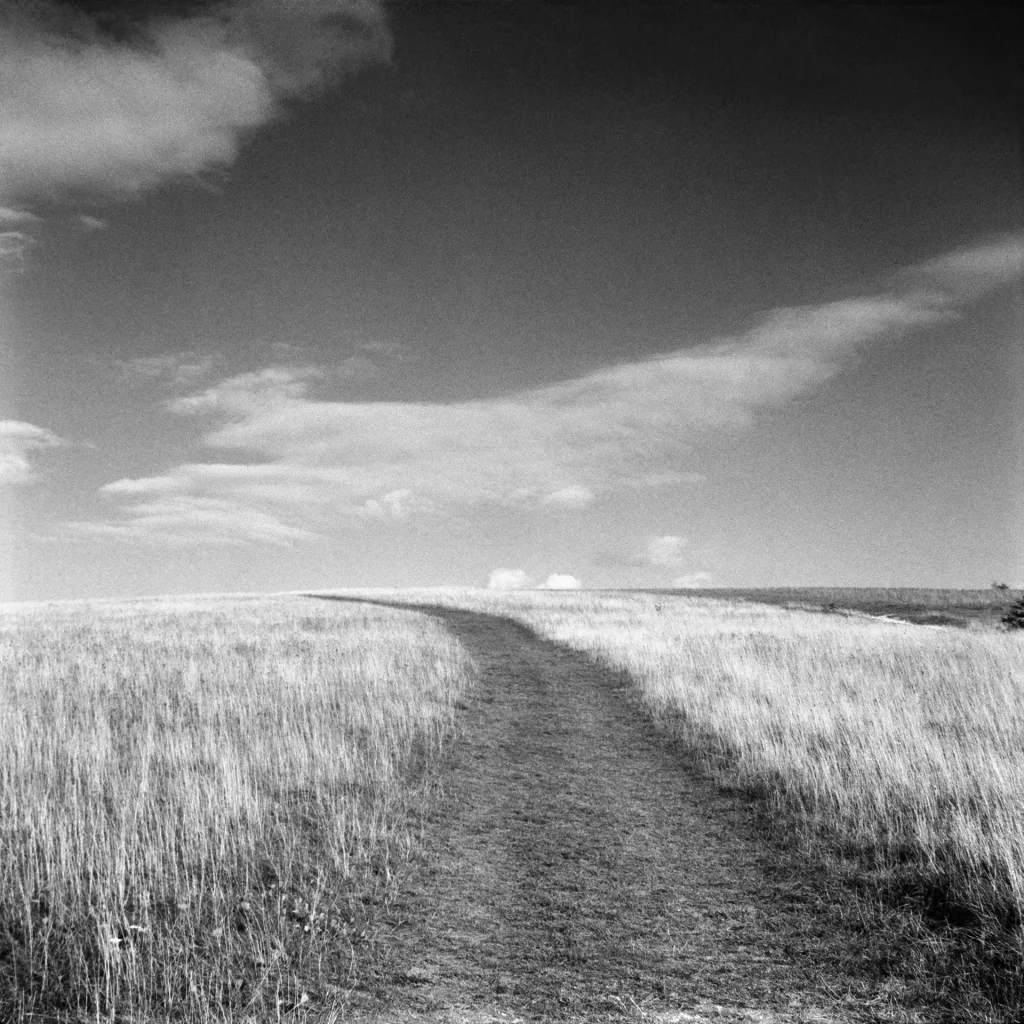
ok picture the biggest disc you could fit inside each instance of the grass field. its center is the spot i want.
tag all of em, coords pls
(199, 799)
(196, 798)
(887, 743)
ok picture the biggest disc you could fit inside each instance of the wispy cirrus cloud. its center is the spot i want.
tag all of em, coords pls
(185, 520)
(81, 110)
(969, 272)
(18, 440)
(311, 462)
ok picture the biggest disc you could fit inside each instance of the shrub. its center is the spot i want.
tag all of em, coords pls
(1014, 617)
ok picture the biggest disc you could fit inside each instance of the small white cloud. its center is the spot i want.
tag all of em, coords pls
(13, 245)
(17, 440)
(575, 496)
(92, 223)
(9, 215)
(147, 485)
(183, 369)
(398, 504)
(666, 551)
(692, 580)
(556, 581)
(355, 369)
(387, 351)
(255, 392)
(508, 579)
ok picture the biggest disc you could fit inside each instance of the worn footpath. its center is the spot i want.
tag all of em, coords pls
(581, 867)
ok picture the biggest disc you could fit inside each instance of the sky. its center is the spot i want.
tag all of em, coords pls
(305, 294)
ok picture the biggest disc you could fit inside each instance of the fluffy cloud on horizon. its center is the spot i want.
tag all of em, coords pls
(666, 551)
(306, 462)
(519, 579)
(693, 580)
(560, 581)
(79, 110)
(509, 579)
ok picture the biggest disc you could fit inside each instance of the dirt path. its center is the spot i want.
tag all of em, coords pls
(581, 869)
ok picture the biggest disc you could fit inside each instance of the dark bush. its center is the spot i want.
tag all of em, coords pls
(1014, 617)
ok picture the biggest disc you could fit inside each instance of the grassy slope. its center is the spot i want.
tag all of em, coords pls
(194, 796)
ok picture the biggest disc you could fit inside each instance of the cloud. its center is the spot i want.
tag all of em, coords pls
(314, 461)
(17, 441)
(556, 581)
(9, 215)
(575, 496)
(508, 579)
(91, 223)
(246, 393)
(13, 245)
(969, 272)
(180, 368)
(665, 551)
(80, 110)
(399, 504)
(692, 580)
(184, 521)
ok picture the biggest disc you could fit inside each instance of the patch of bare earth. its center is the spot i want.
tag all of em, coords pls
(581, 867)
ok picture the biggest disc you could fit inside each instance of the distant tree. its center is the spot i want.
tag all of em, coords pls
(1000, 586)
(1014, 617)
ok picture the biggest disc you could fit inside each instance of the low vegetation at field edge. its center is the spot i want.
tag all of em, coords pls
(930, 607)
(197, 798)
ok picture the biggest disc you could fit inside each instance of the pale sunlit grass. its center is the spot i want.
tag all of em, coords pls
(194, 794)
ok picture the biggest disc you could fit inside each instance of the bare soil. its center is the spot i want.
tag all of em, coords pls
(582, 867)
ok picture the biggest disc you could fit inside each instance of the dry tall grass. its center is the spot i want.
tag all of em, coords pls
(194, 794)
(901, 743)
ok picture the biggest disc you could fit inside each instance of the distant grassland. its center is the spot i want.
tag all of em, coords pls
(897, 745)
(913, 604)
(195, 796)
